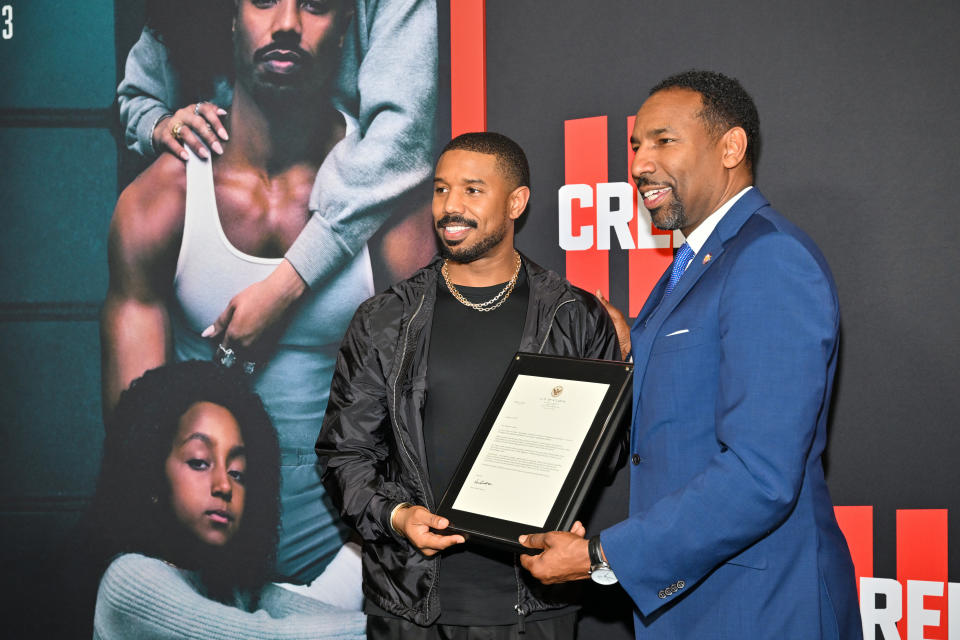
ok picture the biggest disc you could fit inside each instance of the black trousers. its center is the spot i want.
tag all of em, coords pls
(559, 628)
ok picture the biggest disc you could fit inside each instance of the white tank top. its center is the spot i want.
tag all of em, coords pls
(294, 384)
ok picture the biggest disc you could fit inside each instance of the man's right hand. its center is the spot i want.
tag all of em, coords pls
(620, 324)
(415, 523)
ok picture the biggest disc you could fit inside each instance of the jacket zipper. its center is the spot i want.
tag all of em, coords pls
(521, 627)
(396, 381)
(396, 425)
(552, 318)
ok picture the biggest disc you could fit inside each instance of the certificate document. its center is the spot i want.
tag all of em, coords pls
(530, 449)
(548, 432)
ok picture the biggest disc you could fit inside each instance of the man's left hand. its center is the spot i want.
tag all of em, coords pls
(564, 558)
(257, 310)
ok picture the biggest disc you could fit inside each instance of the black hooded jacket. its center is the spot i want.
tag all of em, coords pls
(371, 446)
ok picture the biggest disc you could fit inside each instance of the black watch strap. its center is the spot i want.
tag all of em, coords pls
(593, 548)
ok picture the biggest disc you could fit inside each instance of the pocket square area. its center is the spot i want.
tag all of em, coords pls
(677, 333)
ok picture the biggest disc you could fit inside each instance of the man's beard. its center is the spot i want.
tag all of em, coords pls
(673, 217)
(281, 91)
(275, 91)
(474, 252)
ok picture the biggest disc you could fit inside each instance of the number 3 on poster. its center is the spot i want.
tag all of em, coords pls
(6, 27)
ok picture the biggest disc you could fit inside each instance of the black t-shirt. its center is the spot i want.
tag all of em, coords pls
(469, 353)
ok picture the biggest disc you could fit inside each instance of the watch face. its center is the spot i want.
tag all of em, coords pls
(603, 575)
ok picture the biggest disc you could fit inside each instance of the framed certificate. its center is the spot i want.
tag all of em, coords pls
(538, 448)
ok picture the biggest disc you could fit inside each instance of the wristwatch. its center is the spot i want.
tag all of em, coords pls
(600, 571)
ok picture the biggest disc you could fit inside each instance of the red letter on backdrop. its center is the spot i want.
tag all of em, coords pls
(922, 555)
(468, 67)
(585, 162)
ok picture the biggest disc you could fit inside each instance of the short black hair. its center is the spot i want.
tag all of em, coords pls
(511, 160)
(198, 41)
(726, 104)
(131, 508)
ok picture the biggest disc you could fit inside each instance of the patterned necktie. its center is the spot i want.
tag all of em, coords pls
(680, 261)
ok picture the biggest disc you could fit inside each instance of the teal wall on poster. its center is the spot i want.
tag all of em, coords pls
(59, 178)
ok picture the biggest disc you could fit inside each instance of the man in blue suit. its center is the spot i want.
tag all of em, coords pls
(731, 532)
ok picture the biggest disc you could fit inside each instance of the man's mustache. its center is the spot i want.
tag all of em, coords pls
(643, 181)
(450, 219)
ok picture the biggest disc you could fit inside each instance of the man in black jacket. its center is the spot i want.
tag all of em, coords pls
(415, 372)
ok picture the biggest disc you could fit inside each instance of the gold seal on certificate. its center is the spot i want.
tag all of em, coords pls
(542, 441)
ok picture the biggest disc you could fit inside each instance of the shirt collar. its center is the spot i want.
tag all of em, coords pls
(699, 235)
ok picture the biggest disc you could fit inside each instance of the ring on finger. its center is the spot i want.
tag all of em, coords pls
(196, 108)
(225, 356)
(176, 131)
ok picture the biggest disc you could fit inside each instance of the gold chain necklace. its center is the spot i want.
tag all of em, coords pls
(493, 302)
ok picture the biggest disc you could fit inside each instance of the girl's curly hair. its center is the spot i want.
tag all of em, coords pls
(131, 508)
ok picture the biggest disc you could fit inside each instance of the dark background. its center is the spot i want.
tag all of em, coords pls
(859, 113)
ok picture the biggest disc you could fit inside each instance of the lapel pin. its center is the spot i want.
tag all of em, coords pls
(707, 258)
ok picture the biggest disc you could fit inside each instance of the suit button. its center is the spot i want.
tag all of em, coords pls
(636, 459)
(681, 584)
(661, 595)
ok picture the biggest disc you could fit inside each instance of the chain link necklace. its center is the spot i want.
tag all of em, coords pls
(493, 302)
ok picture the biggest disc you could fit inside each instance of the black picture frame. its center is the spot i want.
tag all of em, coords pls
(593, 452)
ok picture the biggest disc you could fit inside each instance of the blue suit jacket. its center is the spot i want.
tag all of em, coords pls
(731, 531)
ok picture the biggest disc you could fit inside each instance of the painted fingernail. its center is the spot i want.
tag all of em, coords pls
(209, 331)
(223, 133)
(221, 112)
(184, 156)
(216, 147)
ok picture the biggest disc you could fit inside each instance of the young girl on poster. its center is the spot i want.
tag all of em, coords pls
(186, 516)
